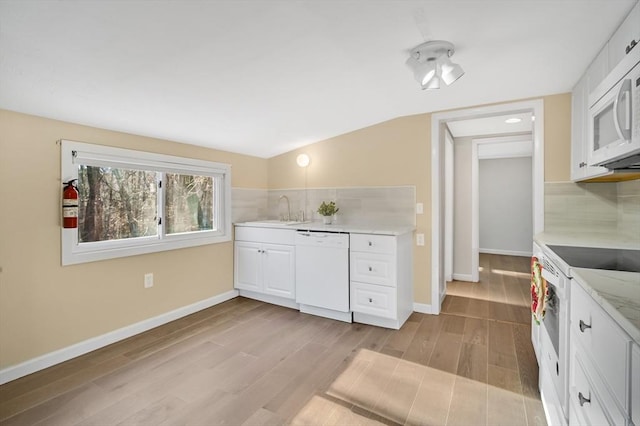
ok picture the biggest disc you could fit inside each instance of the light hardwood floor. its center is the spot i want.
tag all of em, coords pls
(247, 362)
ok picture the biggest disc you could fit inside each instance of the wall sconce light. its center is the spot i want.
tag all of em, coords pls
(431, 64)
(303, 160)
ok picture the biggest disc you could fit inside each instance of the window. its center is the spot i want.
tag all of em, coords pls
(133, 202)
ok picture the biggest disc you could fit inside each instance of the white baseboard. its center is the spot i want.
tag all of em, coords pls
(422, 308)
(506, 252)
(52, 358)
(462, 277)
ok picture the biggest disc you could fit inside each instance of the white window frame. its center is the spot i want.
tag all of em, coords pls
(75, 153)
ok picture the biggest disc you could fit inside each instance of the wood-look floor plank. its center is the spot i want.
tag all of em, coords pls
(49, 391)
(501, 345)
(527, 365)
(155, 413)
(263, 417)
(400, 392)
(468, 403)
(505, 408)
(475, 331)
(432, 401)
(331, 364)
(446, 352)
(399, 340)
(504, 378)
(424, 341)
(247, 362)
(472, 363)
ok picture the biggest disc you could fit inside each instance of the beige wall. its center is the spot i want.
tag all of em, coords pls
(395, 152)
(44, 306)
(557, 138)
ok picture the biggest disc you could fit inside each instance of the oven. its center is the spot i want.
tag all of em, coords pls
(550, 337)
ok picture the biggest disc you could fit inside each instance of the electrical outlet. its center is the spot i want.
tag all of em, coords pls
(419, 208)
(148, 280)
(420, 239)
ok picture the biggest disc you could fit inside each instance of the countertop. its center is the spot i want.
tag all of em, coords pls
(617, 292)
(379, 229)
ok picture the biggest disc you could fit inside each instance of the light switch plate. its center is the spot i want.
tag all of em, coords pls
(420, 239)
(419, 208)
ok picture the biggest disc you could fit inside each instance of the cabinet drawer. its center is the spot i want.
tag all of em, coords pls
(373, 299)
(601, 339)
(585, 400)
(373, 268)
(373, 243)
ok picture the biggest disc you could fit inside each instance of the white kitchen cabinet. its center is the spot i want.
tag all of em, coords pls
(600, 364)
(264, 264)
(621, 40)
(597, 71)
(381, 285)
(580, 170)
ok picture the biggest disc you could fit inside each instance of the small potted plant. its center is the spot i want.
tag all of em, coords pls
(327, 210)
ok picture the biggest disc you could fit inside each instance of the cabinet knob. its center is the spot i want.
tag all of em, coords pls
(582, 399)
(370, 269)
(370, 243)
(630, 46)
(259, 251)
(584, 326)
(370, 300)
(583, 164)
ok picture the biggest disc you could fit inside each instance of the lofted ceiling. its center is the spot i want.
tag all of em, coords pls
(265, 77)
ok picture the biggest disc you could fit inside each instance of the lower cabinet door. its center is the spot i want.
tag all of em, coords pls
(373, 300)
(279, 270)
(247, 266)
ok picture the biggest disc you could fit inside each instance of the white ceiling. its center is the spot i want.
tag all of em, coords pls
(265, 77)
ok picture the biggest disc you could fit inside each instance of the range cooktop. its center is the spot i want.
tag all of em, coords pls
(599, 258)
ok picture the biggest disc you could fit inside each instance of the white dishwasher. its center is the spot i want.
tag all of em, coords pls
(322, 274)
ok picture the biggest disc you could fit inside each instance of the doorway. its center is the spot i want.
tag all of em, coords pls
(441, 215)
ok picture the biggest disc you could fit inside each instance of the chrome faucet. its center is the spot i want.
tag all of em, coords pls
(288, 217)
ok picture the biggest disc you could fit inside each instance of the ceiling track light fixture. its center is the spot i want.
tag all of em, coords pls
(431, 64)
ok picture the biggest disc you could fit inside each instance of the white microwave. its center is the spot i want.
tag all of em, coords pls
(614, 119)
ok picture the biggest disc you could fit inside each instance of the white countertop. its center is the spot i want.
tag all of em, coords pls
(617, 292)
(379, 229)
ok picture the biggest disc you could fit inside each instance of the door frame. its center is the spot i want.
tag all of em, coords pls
(438, 126)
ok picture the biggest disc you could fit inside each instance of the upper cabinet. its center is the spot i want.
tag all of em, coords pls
(611, 54)
(580, 170)
(597, 71)
(624, 38)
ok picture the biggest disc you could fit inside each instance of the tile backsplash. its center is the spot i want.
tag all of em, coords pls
(607, 207)
(381, 205)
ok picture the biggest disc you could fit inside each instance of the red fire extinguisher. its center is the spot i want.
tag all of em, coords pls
(70, 205)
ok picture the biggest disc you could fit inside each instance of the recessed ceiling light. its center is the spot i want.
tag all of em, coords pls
(513, 120)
